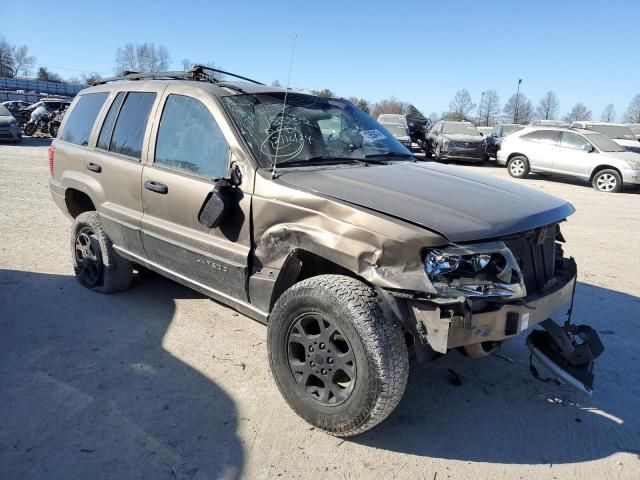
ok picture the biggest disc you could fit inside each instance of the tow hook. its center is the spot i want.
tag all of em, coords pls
(567, 352)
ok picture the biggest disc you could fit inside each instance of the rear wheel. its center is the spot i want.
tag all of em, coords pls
(53, 129)
(607, 181)
(518, 167)
(96, 264)
(337, 361)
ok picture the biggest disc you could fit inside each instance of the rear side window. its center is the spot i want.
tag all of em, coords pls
(107, 127)
(572, 140)
(189, 139)
(131, 124)
(81, 119)
(549, 137)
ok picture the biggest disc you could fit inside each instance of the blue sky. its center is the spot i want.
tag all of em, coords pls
(421, 52)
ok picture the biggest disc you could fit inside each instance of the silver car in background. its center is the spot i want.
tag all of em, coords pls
(619, 133)
(568, 151)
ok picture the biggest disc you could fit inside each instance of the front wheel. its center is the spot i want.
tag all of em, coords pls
(518, 167)
(337, 361)
(30, 129)
(607, 181)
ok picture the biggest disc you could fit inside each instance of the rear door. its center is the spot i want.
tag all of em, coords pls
(542, 149)
(116, 163)
(574, 155)
(190, 150)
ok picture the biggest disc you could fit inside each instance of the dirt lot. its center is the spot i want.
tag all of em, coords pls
(162, 383)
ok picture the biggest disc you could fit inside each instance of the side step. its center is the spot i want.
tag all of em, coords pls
(567, 352)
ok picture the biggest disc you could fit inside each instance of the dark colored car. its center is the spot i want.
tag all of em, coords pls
(451, 141)
(9, 126)
(307, 215)
(493, 141)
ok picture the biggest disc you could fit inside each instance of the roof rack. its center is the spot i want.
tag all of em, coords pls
(197, 73)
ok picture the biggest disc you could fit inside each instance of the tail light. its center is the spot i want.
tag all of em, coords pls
(51, 152)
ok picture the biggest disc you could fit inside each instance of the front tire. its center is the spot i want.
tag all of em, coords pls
(30, 129)
(336, 360)
(518, 167)
(96, 264)
(607, 181)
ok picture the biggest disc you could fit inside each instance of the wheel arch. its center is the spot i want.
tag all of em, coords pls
(516, 154)
(77, 202)
(599, 168)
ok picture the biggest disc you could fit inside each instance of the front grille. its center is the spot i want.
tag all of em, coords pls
(466, 145)
(536, 256)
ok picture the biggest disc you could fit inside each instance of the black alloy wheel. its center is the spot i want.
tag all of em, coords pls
(321, 359)
(88, 257)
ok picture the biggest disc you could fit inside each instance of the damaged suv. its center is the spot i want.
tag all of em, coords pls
(304, 213)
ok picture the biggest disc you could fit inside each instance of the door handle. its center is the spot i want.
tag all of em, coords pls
(94, 167)
(156, 187)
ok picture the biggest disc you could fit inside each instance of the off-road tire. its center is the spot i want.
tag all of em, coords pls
(518, 166)
(378, 346)
(116, 271)
(607, 181)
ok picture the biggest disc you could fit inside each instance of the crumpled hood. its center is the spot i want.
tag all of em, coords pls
(462, 206)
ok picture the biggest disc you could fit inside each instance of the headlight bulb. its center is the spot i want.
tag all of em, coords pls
(437, 263)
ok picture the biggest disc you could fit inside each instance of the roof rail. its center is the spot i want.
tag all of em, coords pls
(197, 72)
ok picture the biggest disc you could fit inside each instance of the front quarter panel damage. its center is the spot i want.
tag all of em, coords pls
(382, 250)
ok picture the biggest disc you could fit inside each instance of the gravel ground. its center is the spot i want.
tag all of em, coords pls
(160, 382)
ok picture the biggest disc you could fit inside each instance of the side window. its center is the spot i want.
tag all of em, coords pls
(107, 126)
(81, 119)
(131, 124)
(575, 141)
(189, 139)
(549, 137)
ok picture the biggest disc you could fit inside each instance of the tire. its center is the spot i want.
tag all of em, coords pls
(96, 264)
(30, 129)
(607, 181)
(518, 166)
(53, 130)
(342, 316)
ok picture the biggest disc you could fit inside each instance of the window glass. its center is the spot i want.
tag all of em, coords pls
(81, 119)
(549, 137)
(189, 139)
(131, 124)
(107, 127)
(572, 140)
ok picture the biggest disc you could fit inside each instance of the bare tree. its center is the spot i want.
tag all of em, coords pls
(518, 109)
(7, 66)
(633, 111)
(460, 106)
(433, 116)
(577, 113)
(144, 57)
(44, 75)
(609, 113)
(23, 62)
(325, 92)
(489, 108)
(548, 106)
(89, 77)
(388, 105)
(276, 83)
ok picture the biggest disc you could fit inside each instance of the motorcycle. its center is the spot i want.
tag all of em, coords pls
(55, 122)
(39, 125)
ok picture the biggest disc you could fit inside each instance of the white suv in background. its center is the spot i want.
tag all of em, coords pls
(619, 133)
(567, 151)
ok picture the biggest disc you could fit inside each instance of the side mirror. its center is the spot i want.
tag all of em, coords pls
(494, 135)
(215, 205)
(588, 148)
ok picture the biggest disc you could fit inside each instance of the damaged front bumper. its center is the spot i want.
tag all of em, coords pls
(452, 323)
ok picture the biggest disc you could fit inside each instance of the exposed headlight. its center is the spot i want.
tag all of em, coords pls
(483, 270)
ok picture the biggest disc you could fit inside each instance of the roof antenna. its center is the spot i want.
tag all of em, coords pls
(284, 106)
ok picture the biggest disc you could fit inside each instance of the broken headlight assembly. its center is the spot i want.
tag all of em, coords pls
(487, 270)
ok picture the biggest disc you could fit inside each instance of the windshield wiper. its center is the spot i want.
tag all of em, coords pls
(326, 160)
(390, 154)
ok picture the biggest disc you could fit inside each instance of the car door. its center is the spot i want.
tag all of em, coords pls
(115, 162)
(542, 148)
(575, 154)
(433, 136)
(190, 151)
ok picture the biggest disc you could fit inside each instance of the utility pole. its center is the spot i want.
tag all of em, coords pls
(515, 119)
(480, 112)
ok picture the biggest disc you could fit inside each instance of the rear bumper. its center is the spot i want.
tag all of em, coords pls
(497, 321)
(58, 196)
